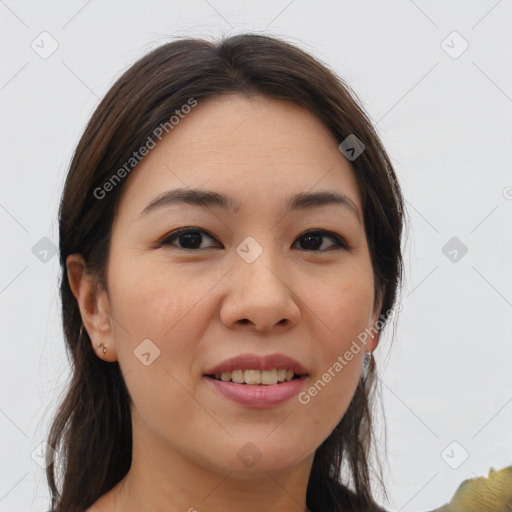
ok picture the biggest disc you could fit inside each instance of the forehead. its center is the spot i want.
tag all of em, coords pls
(255, 149)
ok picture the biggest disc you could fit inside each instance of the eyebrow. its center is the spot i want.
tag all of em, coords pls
(208, 198)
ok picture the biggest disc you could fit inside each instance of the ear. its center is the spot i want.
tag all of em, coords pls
(94, 307)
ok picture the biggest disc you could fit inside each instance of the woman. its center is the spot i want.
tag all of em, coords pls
(230, 233)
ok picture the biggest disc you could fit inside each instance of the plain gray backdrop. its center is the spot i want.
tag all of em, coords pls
(435, 78)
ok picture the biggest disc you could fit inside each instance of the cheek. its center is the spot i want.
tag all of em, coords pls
(152, 302)
(344, 309)
(327, 397)
(155, 348)
(158, 318)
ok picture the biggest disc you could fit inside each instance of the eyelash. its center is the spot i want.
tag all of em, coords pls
(168, 239)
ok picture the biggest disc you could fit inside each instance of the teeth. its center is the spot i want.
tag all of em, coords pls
(255, 377)
(225, 376)
(269, 377)
(237, 376)
(252, 376)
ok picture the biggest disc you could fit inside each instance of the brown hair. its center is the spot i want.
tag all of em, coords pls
(92, 429)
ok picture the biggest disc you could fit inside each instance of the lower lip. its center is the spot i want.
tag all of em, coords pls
(259, 397)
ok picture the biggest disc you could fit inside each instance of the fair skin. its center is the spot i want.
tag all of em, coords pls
(308, 299)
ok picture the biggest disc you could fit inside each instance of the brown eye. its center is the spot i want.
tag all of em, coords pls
(187, 238)
(192, 238)
(313, 240)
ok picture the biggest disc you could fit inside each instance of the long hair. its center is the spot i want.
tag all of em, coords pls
(91, 432)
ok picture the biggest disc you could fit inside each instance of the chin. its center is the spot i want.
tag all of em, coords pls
(251, 459)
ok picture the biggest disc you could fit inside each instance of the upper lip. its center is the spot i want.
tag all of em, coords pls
(257, 362)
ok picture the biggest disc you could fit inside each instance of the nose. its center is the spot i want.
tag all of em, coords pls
(258, 294)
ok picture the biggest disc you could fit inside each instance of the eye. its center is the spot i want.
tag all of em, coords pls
(188, 238)
(191, 239)
(312, 240)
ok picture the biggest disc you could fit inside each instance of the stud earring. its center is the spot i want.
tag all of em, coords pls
(97, 344)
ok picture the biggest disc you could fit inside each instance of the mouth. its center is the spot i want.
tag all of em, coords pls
(252, 377)
(257, 381)
(256, 394)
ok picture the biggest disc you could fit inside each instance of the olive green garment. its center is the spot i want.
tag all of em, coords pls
(491, 494)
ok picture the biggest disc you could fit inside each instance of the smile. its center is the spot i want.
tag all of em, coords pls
(258, 396)
(257, 377)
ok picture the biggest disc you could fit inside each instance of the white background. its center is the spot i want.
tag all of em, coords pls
(447, 125)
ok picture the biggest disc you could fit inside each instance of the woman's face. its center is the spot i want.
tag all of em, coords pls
(245, 279)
